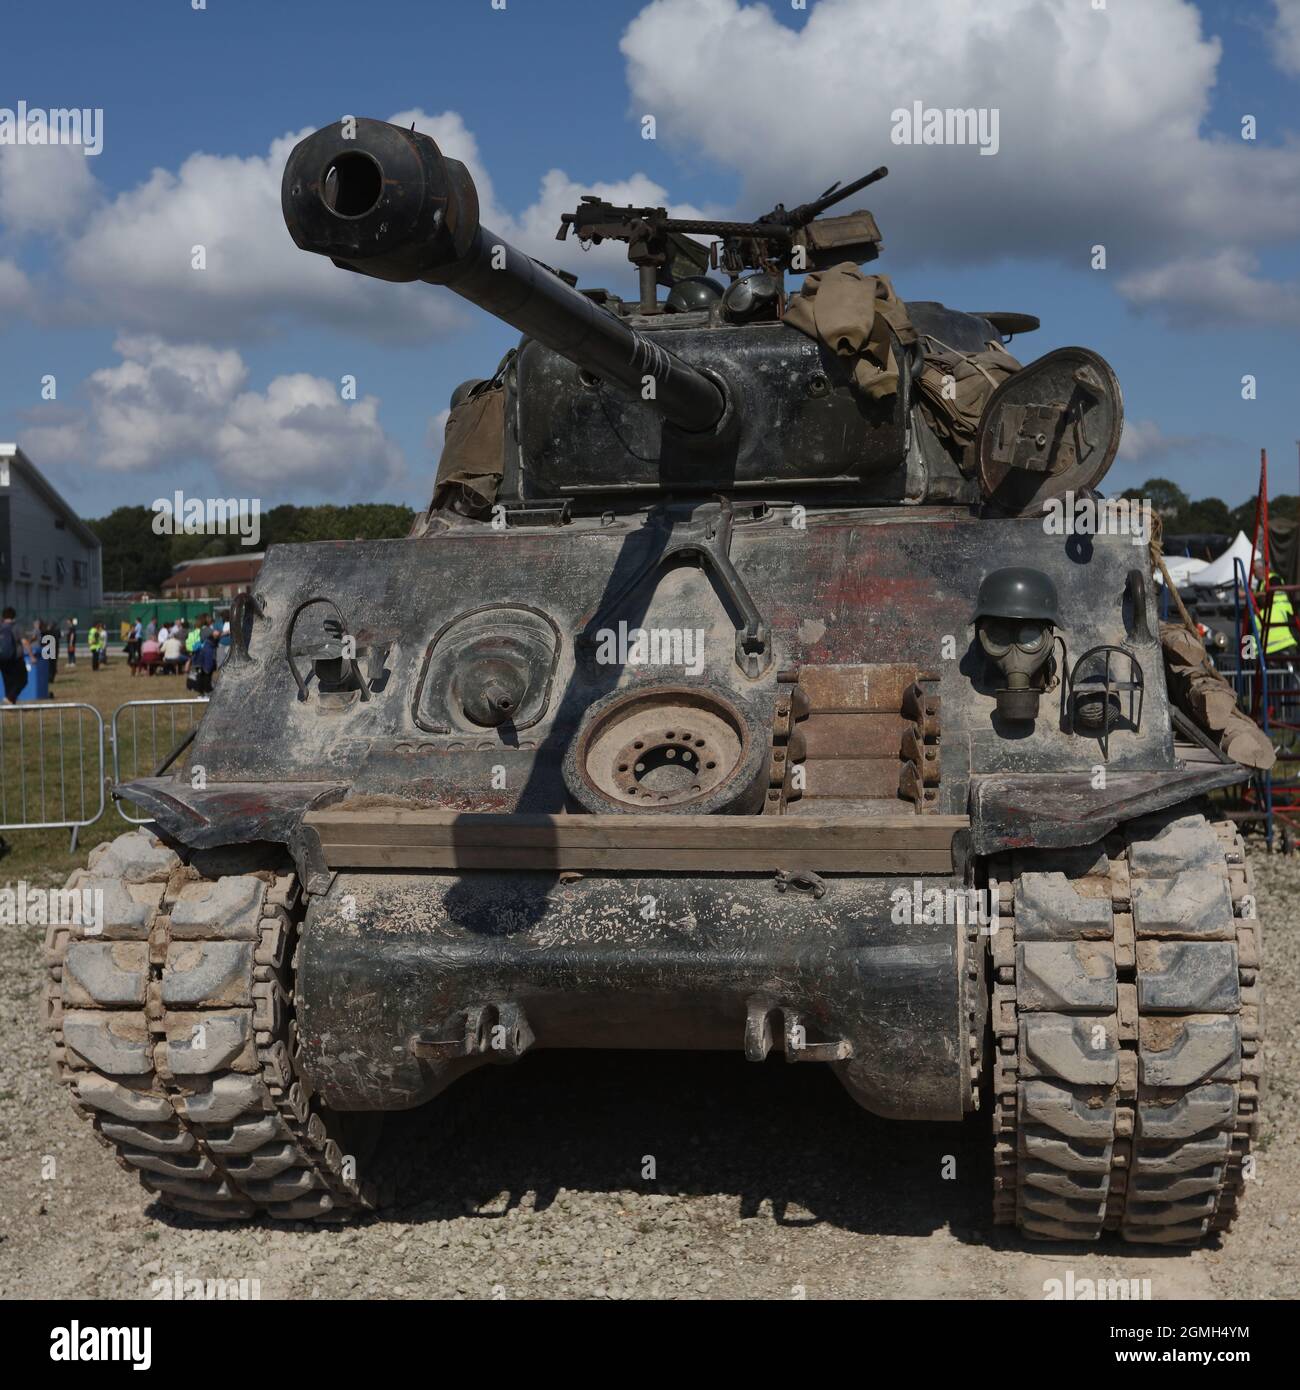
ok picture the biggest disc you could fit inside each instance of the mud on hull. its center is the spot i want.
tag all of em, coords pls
(408, 980)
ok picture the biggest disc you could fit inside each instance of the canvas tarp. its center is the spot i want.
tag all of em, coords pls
(852, 314)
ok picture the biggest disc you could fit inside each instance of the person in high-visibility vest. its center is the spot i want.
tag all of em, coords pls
(1280, 638)
(98, 642)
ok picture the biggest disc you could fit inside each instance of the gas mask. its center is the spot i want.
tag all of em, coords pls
(1015, 619)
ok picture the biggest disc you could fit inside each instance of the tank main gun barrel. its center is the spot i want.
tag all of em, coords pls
(386, 202)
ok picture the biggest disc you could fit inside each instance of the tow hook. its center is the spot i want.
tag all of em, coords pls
(766, 1022)
(500, 1032)
(803, 879)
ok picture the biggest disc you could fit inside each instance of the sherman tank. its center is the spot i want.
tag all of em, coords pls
(767, 674)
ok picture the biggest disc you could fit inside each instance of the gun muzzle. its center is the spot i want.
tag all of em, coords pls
(387, 202)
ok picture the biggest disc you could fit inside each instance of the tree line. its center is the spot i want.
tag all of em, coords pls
(137, 559)
(1208, 515)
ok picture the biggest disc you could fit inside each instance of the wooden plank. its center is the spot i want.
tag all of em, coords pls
(428, 828)
(857, 807)
(579, 859)
(919, 835)
(409, 838)
(730, 827)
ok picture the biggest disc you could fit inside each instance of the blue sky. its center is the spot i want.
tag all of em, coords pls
(1121, 128)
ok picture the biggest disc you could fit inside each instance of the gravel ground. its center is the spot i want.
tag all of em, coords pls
(527, 1181)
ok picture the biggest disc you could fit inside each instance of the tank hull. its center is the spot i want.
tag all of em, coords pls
(395, 965)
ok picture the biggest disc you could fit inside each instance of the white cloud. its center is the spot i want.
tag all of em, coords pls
(300, 430)
(45, 188)
(134, 262)
(15, 288)
(60, 438)
(1100, 122)
(1286, 36)
(1144, 442)
(435, 432)
(1139, 440)
(164, 404)
(1222, 288)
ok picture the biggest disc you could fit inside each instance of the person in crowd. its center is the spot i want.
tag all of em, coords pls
(42, 646)
(173, 655)
(196, 635)
(13, 668)
(204, 664)
(164, 632)
(50, 636)
(72, 641)
(93, 641)
(150, 656)
(151, 632)
(134, 640)
(1274, 603)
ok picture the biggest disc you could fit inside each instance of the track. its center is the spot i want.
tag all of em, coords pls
(173, 1027)
(1126, 1021)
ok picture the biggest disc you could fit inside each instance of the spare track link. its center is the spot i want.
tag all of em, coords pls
(1126, 1023)
(173, 1027)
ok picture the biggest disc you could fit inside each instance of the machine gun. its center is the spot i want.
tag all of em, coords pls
(783, 239)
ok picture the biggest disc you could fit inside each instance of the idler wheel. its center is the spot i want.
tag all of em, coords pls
(690, 749)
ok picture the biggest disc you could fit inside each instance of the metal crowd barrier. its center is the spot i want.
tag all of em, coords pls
(51, 767)
(52, 762)
(137, 755)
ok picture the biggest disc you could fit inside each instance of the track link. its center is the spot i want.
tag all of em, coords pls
(173, 1028)
(1126, 1021)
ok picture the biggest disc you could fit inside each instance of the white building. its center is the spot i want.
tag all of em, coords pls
(50, 560)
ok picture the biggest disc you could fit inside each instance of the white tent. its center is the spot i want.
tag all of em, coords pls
(1222, 571)
(1181, 568)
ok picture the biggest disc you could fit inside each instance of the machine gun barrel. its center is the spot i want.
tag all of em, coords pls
(805, 212)
(386, 202)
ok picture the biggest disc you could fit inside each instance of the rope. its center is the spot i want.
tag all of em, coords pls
(1155, 546)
